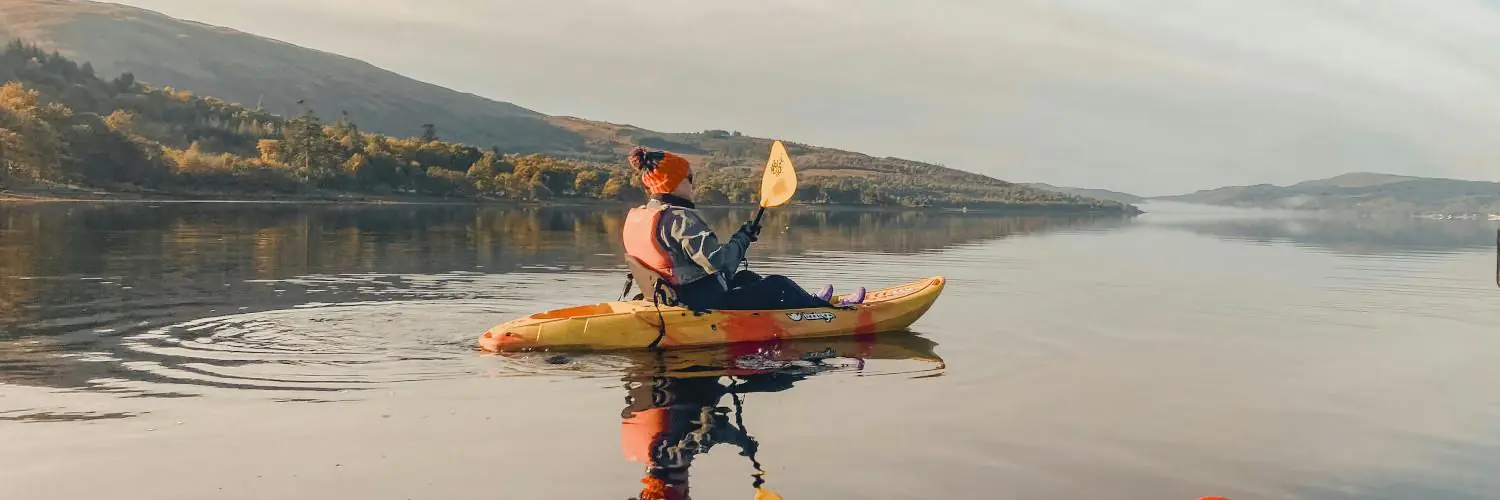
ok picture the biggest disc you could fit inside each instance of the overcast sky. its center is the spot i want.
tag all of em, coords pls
(1147, 96)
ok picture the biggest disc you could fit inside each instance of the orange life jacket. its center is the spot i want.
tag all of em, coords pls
(642, 246)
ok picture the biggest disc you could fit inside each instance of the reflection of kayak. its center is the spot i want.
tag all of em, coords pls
(636, 324)
(746, 358)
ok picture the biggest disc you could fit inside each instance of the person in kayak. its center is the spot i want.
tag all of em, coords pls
(671, 250)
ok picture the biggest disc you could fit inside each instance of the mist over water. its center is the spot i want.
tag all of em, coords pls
(1183, 353)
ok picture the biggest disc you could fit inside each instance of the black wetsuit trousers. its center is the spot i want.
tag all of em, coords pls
(748, 291)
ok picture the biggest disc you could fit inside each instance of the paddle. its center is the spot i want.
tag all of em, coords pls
(779, 182)
(761, 493)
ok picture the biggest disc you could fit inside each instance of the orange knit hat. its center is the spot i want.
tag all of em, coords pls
(661, 171)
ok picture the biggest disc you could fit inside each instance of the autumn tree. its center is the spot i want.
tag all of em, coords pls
(121, 121)
(31, 147)
(590, 182)
(307, 150)
(355, 164)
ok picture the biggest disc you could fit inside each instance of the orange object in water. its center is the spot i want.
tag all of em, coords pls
(765, 494)
(639, 430)
(655, 489)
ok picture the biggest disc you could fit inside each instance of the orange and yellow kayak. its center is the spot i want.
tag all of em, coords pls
(636, 324)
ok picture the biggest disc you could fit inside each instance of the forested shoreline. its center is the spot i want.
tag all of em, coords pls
(64, 130)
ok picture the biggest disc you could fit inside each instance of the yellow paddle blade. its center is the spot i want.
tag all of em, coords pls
(780, 181)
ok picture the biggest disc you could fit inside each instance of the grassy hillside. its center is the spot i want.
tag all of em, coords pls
(62, 124)
(260, 72)
(1360, 192)
(269, 75)
(1102, 194)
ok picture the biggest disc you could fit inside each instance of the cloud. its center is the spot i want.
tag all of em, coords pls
(1152, 97)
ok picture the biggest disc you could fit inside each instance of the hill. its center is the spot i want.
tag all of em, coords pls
(273, 76)
(61, 123)
(1102, 194)
(1354, 180)
(264, 73)
(1361, 192)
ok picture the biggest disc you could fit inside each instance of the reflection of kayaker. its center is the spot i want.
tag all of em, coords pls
(673, 409)
(672, 251)
(670, 421)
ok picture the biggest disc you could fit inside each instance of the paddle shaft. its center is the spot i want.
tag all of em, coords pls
(739, 418)
(761, 213)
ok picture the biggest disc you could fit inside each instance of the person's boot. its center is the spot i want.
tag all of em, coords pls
(858, 297)
(826, 294)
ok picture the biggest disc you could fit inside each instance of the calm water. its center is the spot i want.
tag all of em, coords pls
(281, 351)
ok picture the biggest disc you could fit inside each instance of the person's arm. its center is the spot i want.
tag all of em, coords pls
(703, 247)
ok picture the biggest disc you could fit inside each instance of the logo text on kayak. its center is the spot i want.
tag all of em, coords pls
(814, 316)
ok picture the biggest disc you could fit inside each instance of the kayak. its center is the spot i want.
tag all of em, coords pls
(637, 324)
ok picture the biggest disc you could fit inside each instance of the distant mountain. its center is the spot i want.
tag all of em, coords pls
(262, 73)
(1102, 194)
(1354, 180)
(1361, 192)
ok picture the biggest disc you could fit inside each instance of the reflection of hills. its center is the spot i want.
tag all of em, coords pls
(1356, 235)
(794, 232)
(77, 276)
(185, 249)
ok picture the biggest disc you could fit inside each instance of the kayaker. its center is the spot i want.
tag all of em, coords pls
(668, 242)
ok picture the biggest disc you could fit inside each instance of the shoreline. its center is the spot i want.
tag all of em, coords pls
(81, 195)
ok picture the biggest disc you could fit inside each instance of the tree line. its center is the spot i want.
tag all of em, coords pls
(61, 123)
